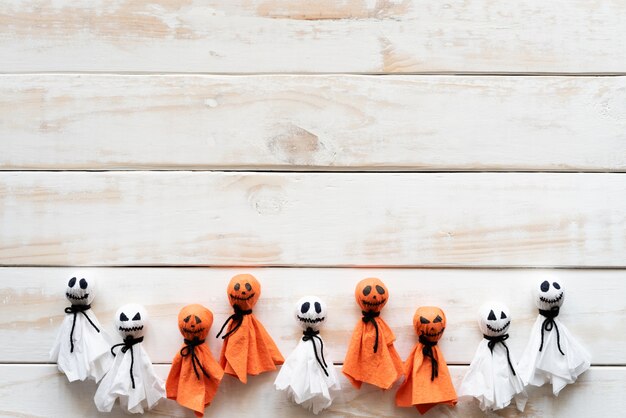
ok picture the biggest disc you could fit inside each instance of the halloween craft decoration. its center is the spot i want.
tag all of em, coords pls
(492, 378)
(195, 375)
(81, 348)
(371, 356)
(131, 378)
(552, 354)
(307, 378)
(248, 348)
(428, 380)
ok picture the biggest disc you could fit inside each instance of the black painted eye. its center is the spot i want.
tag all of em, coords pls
(545, 286)
(248, 287)
(187, 318)
(198, 320)
(237, 287)
(437, 319)
(318, 307)
(556, 285)
(83, 284)
(305, 307)
(72, 282)
(123, 317)
(137, 317)
(502, 315)
(424, 320)
(367, 290)
(492, 316)
(380, 290)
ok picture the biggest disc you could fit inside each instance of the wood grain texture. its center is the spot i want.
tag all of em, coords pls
(598, 392)
(33, 302)
(564, 36)
(216, 218)
(421, 123)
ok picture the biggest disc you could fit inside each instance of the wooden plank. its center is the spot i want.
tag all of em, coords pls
(561, 36)
(290, 219)
(33, 304)
(312, 123)
(38, 390)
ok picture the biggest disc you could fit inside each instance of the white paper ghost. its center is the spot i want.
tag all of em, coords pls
(552, 354)
(307, 378)
(81, 348)
(492, 377)
(131, 378)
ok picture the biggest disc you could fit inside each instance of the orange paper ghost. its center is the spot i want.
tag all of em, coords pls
(195, 375)
(427, 381)
(371, 357)
(248, 348)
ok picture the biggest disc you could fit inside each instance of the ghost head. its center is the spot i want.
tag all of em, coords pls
(130, 320)
(371, 294)
(311, 312)
(194, 321)
(244, 291)
(549, 294)
(80, 291)
(430, 322)
(494, 319)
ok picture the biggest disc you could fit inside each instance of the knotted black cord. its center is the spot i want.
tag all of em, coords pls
(75, 309)
(311, 335)
(126, 345)
(548, 324)
(370, 316)
(427, 351)
(189, 349)
(238, 317)
(500, 339)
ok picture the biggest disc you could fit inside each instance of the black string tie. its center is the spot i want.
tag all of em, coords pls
(128, 345)
(427, 351)
(237, 319)
(371, 316)
(189, 349)
(548, 324)
(310, 335)
(500, 339)
(76, 309)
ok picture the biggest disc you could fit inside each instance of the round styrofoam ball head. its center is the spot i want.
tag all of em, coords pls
(494, 319)
(131, 320)
(80, 289)
(310, 312)
(549, 293)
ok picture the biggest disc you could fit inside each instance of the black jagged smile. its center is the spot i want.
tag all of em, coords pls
(240, 298)
(555, 300)
(436, 334)
(492, 329)
(193, 331)
(139, 328)
(70, 296)
(366, 303)
(311, 321)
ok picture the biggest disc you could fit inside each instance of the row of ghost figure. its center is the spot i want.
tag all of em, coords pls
(125, 371)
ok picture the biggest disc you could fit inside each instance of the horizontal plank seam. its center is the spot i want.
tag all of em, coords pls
(319, 266)
(321, 170)
(331, 73)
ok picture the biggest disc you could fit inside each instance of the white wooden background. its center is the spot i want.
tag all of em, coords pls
(459, 150)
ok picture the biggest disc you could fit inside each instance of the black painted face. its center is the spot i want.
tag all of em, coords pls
(494, 319)
(549, 295)
(310, 312)
(80, 291)
(130, 320)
